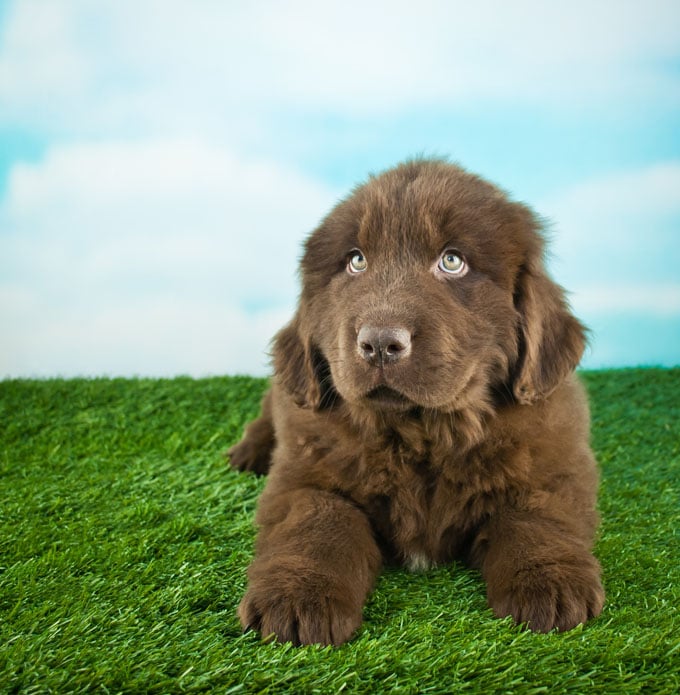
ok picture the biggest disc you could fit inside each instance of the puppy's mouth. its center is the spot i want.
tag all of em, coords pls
(387, 398)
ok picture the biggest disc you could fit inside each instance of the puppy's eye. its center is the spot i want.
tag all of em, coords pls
(452, 263)
(356, 263)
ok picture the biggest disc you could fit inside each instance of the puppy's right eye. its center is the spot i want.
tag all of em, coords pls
(356, 263)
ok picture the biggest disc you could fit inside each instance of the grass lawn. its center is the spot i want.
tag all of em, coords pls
(124, 540)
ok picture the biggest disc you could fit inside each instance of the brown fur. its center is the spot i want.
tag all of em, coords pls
(471, 443)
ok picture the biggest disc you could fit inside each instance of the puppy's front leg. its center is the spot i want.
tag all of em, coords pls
(315, 562)
(539, 570)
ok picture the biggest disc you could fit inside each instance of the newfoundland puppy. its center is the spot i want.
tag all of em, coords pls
(423, 409)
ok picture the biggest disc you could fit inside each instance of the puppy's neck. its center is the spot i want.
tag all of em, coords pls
(422, 432)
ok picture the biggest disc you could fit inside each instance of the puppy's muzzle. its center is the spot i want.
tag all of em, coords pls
(380, 345)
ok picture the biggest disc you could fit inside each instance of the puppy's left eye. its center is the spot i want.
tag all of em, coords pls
(452, 263)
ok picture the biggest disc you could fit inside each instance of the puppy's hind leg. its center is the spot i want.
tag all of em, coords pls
(254, 451)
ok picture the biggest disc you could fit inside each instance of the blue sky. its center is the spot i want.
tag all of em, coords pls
(161, 162)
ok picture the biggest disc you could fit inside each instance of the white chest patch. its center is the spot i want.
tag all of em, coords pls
(418, 562)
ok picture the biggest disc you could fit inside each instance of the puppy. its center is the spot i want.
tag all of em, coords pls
(423, 409)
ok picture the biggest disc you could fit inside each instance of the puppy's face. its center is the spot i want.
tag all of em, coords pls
(414, 291)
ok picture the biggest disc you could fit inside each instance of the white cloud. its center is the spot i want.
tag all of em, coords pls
(31, 28)
(640, 192)
(617, 231)
(218, 63)
(660, 300)
(141, 256)
(148, 336)
(161, 207)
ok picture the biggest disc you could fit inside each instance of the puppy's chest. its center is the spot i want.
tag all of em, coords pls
(427, 509)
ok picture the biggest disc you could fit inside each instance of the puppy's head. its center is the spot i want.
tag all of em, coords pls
(426, 288)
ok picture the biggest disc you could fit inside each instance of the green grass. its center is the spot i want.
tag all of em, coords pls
(124, 540)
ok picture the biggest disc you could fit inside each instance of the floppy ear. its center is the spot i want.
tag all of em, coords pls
(551, 339)
(295, 365)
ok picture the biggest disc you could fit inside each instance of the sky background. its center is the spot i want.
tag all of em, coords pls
(161, 162)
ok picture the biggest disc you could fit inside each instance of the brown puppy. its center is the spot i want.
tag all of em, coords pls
(423, 408)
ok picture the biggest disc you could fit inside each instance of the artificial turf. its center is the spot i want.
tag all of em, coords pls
(124, 541)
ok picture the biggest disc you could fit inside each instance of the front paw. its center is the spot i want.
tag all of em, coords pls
(299, 611)
(547, 597)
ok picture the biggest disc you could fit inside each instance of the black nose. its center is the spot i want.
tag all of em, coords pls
(380, 346)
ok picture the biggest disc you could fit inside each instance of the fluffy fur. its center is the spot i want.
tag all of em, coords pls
(423, 409)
